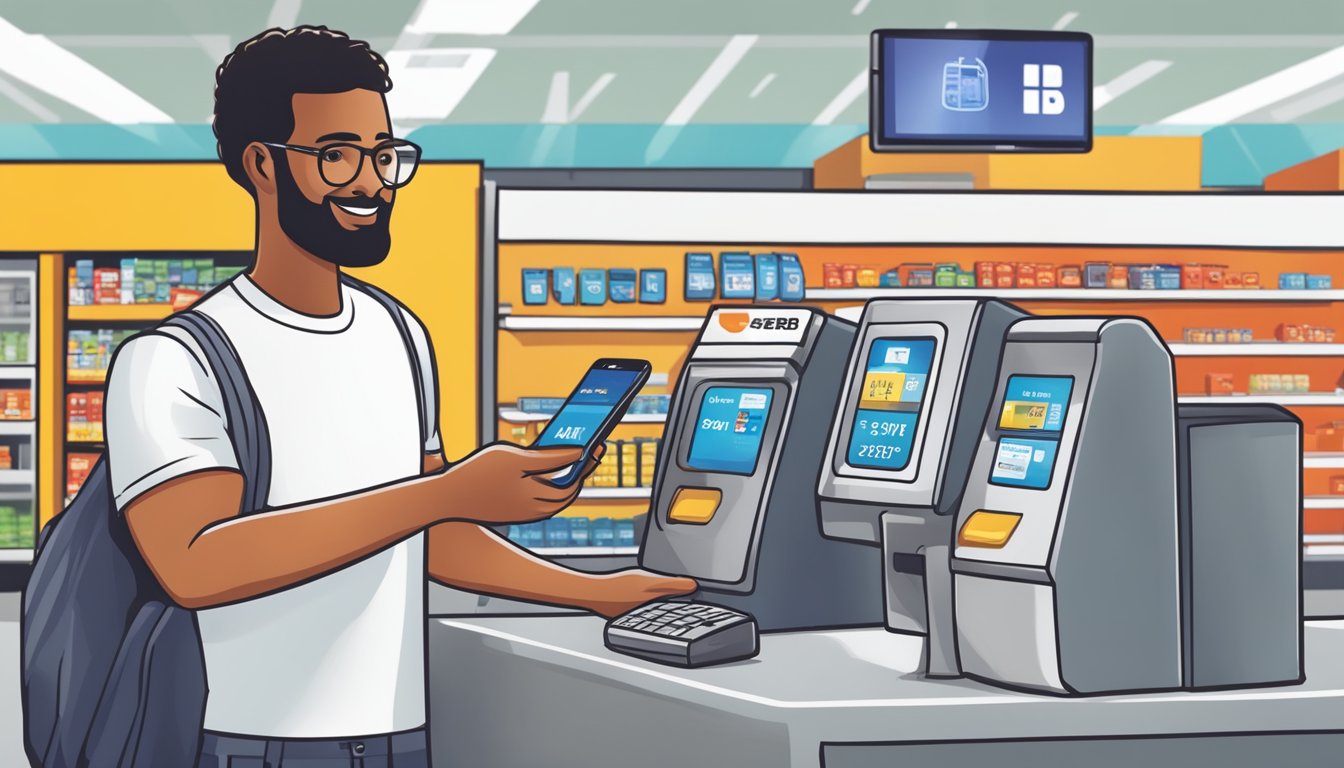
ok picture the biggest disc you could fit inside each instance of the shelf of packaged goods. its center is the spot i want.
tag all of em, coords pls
(615, 493)
(1310, 399)
(1322, 460)
(515, 416)
(553, 323)
(1323, 502)
(16, 555)
(1070, 294)
(119, 312)
(17, 427)
(1256, 349)
(16, 477)
(585, 551)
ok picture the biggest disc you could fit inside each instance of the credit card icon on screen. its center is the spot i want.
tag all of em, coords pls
(1013, 461)
(898, 356)
(752, 401)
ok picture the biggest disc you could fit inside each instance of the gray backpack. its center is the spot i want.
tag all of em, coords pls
(112, 669)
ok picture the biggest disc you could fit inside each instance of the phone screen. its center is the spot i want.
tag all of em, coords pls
(588, 408)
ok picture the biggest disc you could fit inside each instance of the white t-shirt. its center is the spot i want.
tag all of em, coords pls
(343, 654)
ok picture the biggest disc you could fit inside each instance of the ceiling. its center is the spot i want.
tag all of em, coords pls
(687, 62)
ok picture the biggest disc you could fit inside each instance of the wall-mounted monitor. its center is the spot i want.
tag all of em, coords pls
(952, 90)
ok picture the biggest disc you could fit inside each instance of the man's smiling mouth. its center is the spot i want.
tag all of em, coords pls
(357, 210)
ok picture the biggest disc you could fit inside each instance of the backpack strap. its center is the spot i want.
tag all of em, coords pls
(247, 424)
(398, 313)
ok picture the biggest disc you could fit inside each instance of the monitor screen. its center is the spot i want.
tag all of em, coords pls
(1035, 406)
(597, 394)
(989, 91)
(895, 381)
(729, 429)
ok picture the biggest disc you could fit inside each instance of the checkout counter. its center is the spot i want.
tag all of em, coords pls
(1085, 607)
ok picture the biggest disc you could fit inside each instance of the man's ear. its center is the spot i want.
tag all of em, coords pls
(259, 166)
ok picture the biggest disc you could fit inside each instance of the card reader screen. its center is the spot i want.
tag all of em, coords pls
(894, 385)
(729, 429)
(589, 405)
(1035, 403)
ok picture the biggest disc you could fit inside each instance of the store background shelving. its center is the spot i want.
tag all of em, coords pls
(20, 343)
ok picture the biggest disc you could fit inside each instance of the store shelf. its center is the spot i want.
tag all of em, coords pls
(16, 555)
(515, 416)
(1323, 538)
(585, 551)
(1323, 502)
(1313, 399)
(17, 427)
(552, 323)
(16, 371)
(78, 381)
(120, 312)
(16, 477)
(616, 493)
(1069, 294)
(1256, 349)
(1321, 460)
(16, 322)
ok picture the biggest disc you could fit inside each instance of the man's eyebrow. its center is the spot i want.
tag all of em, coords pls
(383, 136)
(338, 136)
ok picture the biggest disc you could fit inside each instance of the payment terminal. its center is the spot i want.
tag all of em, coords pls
(916, 390)
(1065, 560)
(733, 497)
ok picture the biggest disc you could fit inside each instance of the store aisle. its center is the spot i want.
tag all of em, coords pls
(11, 712)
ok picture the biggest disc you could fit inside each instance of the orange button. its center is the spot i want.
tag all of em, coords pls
(988, 529)
(694, 506)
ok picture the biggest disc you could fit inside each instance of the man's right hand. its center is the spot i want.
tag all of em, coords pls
(504, 483)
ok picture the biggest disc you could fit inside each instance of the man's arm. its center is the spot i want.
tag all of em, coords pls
(205, 553)
(468, 556)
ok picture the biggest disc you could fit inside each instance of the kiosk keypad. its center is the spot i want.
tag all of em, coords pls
(684, 634)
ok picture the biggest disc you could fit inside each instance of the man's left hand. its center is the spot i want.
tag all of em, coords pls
(612, 594)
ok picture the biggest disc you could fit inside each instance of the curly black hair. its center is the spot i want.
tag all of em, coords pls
(255, 84)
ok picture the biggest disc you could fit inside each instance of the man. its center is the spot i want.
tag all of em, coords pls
(312, 613)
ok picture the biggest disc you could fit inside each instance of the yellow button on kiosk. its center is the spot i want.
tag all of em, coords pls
(694, 506)
(988, 529)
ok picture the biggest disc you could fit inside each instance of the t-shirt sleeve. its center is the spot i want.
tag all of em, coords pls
(164, 416)
(429, 381)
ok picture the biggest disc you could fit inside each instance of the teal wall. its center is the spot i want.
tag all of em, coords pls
(1234, 156)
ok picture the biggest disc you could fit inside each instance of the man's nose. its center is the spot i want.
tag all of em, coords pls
(368, 183)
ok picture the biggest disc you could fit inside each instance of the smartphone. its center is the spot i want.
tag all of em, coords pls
(592, 410)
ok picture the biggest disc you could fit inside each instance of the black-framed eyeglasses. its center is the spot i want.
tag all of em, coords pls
(395, 161)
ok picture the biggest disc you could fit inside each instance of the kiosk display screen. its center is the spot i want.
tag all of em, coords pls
(894, 386)
(729, 429)
(1037, 406)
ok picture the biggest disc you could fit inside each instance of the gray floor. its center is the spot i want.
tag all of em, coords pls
(11, 718)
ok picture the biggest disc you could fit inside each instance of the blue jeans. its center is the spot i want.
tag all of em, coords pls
(407, 749)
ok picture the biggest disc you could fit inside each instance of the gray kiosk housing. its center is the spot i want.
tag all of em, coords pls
(758, 548)
(1080, 592)
(908, 512)
(1240, 496)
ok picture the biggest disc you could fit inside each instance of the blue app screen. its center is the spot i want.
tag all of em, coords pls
(729, 429)
(894, 386)
(1024, 463)
(1035, 403)
(598, 393)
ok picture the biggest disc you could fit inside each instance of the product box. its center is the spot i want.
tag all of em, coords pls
(1142, 278)
(1289, 332)
(1005, 276)
(1219, 336)
(1192, 277)
(965, 279)
(1318, 282)
(652, 286)
(77, 469)
(849, 275)
(737, 276)
(1117, 276)
(6, 458)
(916, 275)
(1168, 277)
(890, 279)
(1046, 276)
(161, 281)
(578, 532)
(205, 273)
(867, 277)
(984, 274)
(1232, 280)
(1330, 437)
(107, 285)
(1292, 281)
(792, 280)
(1213, 276)
(1026, 276)
(592, 286)
(17, 404)
(945, 275)
(1219, 384)
(1071, 277)
(534, 286)
(625, 533)
(832, 276)
(1250, 279)
(699, 277)
(562, 285)
(1095, 274)
(556, 532)
(621, 285)
(767, 276)
(127, 281)
(601, 532)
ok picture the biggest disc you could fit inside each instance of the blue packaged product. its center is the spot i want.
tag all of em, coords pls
(792, 282)
(1292, 281)
(1142, 279)
(592, 286)
(535, 535)
(890, 279)
(557, 532)
(578, 531)
(737, 276)
(1168, 277)
(767, 276)
(625, 532)
(1318, 282)
(601, 532)
(534, 286)
(621, 285)
(562, 285)
(652, 286)
(699, 277)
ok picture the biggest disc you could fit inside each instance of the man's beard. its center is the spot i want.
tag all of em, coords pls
(313, 226)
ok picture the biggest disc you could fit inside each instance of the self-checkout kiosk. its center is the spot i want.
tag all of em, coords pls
(917, 387)
(732, 499)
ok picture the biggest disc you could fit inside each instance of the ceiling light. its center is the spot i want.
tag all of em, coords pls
(469, 17)
(430, 83)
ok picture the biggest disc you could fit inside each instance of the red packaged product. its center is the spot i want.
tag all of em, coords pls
(849, 275)
(1192, 277)
(1005, 276)
(1026, 275)
(1232, 280)
(1250, 279)
(1071, 277)
(831, 276)
(1219, 383)
(1213, 276)
(1118, 277)
(1046, 276)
